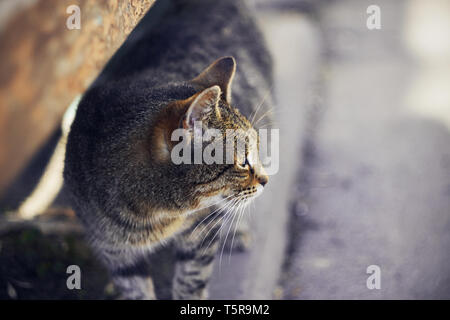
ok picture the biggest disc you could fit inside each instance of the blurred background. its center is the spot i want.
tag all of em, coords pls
(364, 119)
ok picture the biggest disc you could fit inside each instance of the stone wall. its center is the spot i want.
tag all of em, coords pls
(44, 65)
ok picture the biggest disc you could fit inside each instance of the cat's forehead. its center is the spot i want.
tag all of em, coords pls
(178, 90)
(233, 117)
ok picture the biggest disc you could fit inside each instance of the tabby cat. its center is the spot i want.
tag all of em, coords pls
(127, 191)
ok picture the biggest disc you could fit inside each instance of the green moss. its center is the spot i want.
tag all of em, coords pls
(35, 265)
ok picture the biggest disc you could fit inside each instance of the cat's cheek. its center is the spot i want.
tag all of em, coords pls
(227, 192)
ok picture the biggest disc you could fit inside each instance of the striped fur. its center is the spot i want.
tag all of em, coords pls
(127, 192)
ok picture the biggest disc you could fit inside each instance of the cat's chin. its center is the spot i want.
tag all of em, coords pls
(259, 191)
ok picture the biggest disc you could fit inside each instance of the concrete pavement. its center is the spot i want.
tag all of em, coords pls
(255, 274)
(376, 190)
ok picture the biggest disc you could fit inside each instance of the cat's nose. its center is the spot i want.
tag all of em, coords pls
(263, 179)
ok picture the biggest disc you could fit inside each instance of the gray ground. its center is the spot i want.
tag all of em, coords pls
(373, 179)
(379, 188)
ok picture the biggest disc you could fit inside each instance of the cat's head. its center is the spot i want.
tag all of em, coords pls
(235, 173)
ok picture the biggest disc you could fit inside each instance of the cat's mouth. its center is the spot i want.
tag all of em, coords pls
(249, 193)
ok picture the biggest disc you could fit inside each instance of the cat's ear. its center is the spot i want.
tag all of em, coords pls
(203, 105)
(221, 73)
(183, 114)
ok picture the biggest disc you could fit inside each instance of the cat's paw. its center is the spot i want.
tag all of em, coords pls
(200, 294)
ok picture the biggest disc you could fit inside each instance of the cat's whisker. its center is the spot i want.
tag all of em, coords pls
(222, 208)
(228, 215)
(268, 122)
(226, 237)
(254, 207)
(211, 205)
(241, 211)
(262, 102)
(224, 220)
(264, 115)
(274, 112)
(252, 212)
(238, 210)
(217, 219)
(196, 235)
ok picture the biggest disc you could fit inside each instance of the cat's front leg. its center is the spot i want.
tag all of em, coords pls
(133, 285)
(129, 272)
(196, 249)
